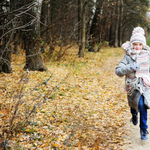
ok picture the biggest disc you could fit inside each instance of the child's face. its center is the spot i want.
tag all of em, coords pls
(137, 46)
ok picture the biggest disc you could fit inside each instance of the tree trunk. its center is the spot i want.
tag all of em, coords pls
(34, 60)
(5, 40)
(79, 26)
(112, 27)
(117, 24)
(81, 53)
(121, 20)
(5, 52)
(94, 31)
(82, 28)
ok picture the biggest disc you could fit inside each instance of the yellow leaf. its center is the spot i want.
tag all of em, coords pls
(84, 136)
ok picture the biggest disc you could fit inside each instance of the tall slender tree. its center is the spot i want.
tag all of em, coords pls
(82, 28)
(121, 22)
(6, 36)
(117, 22)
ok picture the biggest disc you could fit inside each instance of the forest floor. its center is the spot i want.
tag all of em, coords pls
(79, 103)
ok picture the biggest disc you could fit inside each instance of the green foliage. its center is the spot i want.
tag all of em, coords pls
(105, 43)
(148, 41)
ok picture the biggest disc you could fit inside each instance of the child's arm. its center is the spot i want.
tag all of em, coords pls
(123, 67)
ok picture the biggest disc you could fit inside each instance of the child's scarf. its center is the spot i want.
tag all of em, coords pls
(131, 79)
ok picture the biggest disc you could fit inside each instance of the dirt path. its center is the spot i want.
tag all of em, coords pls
(135, 143)
(133, 139)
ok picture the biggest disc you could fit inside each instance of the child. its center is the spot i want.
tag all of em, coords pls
(135, 66)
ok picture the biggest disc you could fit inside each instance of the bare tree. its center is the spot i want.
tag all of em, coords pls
(82, 28)
(121, 22)
(5, 37)
(38, 23)
(34, 60)
(23, 19)
(117, 23)
(95, 29)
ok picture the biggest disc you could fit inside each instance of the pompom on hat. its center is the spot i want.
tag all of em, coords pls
(138, 35)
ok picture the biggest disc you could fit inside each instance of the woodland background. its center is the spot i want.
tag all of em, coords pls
(57, 59)
(36, 24)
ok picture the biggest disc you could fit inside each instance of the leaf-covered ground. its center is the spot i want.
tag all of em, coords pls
(81, 104)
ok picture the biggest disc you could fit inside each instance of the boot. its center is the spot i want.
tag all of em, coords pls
(144, 133)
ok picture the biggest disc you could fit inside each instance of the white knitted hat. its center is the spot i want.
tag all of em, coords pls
(138, 35)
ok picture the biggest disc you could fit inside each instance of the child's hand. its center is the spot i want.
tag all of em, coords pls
(135, 66)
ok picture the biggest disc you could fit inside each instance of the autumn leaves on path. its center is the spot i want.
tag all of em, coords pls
(83, 105)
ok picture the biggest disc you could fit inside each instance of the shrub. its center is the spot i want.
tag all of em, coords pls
(148, 41)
